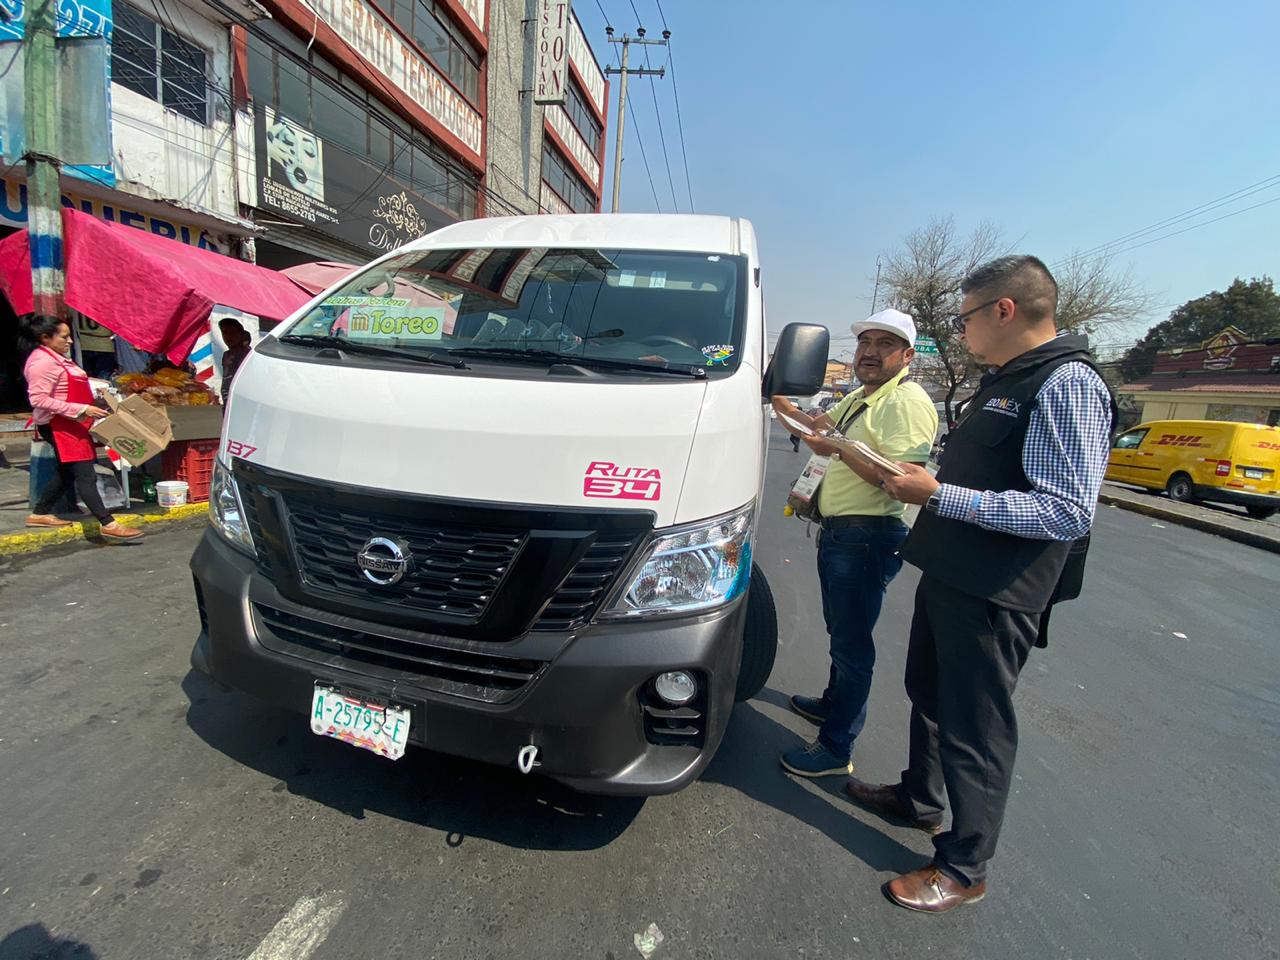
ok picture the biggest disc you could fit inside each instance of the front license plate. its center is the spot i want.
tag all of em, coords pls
(1253, 474)
(370, 726)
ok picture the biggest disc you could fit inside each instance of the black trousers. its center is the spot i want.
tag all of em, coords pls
(79, 475)
(963, 662)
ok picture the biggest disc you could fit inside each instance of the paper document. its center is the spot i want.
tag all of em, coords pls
(872, 457)
(796, 425)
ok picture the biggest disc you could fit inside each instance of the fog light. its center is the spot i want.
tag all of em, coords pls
(677, 687)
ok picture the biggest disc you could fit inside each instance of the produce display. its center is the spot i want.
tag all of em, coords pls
(167, 387)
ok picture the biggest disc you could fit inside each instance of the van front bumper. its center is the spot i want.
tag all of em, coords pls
(584, 708)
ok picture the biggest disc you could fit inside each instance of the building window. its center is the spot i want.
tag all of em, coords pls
(151, 60)
(559, 175)
(583, 117)
(444, 44)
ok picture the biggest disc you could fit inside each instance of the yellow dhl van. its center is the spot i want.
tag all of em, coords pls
(1211, 460)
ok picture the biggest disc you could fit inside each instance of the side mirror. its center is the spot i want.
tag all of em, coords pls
(799, 364)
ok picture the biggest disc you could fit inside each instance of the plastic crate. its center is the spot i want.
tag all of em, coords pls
(192, 461)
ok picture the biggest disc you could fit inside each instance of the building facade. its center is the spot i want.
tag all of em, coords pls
(1228, 377)
(545, 157)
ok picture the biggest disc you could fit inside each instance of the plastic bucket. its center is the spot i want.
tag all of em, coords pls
(171, 493)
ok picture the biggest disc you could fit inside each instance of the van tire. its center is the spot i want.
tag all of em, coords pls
(759, 638)
(1261, 513)
(1179, 488)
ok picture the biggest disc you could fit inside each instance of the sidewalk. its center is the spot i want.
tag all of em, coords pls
(17, 538)
(1222, 521)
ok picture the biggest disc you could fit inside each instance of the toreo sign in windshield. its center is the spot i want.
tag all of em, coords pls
(396, 323)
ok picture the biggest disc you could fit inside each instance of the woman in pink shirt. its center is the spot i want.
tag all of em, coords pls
(62, 406)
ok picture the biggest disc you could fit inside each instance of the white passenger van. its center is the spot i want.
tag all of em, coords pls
(495, 495)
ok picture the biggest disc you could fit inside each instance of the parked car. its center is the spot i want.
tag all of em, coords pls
(1212, 460)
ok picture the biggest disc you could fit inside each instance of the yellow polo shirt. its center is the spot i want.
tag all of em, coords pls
(900, 422)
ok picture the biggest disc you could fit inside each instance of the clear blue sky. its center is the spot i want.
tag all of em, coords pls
(839, 127)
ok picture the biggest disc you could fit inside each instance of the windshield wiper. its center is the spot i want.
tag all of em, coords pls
(436, 357)
(515, 353)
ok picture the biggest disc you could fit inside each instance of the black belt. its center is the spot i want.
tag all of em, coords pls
(857, 520)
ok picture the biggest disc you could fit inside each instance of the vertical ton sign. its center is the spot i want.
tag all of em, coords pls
(553, 52)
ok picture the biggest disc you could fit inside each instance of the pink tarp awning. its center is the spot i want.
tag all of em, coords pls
(154, 292)
(317, 277)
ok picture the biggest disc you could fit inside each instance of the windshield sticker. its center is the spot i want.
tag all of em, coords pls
(611, 482)
(718, 353)
(397, 323)
(627, 278)
(365, 302)
(657, 280)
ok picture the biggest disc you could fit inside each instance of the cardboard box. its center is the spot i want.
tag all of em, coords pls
(136, 430)
(196, 423)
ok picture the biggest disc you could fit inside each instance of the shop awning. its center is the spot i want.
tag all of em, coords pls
(154, 292)
(317, 277)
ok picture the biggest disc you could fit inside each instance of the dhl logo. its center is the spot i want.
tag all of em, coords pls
(1267, 445)
(1181, 440)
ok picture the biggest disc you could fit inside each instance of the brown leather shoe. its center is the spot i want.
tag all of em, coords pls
(118, 531)
(929, 890)
(884, 799)
(46, 520)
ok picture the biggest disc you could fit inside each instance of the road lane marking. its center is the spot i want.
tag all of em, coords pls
(301, 930)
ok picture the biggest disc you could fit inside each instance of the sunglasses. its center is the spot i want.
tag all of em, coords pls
(958, 321)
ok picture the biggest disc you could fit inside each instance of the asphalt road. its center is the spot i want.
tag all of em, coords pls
(149, 814)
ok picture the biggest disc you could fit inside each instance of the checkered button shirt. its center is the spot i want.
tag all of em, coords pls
(1064, 456)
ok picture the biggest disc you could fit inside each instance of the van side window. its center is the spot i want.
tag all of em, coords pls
(1130, 440)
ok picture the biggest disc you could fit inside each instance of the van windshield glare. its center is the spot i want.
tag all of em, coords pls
(668, 309)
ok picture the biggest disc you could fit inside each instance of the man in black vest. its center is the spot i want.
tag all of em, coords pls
(1017, 490)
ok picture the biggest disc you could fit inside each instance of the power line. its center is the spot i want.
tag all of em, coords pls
(1206, 207)
(645, 157)
(1196, 226)
(653, 89)
(675, 90)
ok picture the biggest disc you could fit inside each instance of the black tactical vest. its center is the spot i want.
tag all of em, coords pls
(985, 453)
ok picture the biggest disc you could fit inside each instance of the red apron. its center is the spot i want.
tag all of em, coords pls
(71, 438)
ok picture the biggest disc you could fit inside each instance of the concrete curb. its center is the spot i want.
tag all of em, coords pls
(35, 539)
(1161, 512)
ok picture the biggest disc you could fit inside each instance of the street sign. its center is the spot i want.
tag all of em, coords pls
(926, 345)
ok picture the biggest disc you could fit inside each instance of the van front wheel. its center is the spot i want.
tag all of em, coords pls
(1180, 488)
(759, 638)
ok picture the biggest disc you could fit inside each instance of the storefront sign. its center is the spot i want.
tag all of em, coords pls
(372, 36)
(75, 18)
(333, 191)
(551, 202)
(13, 213)
(572, 139)
(475, 10)
(581, 56)
(552, 48)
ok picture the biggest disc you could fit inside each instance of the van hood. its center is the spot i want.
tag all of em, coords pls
(472, 437)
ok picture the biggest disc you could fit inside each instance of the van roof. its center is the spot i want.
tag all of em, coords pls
(627, 231)
(1206, 423)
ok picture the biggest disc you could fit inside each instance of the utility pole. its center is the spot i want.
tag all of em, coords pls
(875, 292)
(44, 194)
(624, 71)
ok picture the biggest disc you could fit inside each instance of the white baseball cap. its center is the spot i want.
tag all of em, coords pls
(894, 321)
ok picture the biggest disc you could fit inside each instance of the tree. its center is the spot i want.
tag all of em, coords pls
(924, 277)
(1252, 306)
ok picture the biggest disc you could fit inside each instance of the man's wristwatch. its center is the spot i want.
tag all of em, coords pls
(934, 502)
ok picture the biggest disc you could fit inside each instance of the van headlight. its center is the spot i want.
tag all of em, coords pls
(226, 512)
(691, 568)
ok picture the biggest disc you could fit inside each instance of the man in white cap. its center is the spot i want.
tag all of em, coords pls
(861, 529)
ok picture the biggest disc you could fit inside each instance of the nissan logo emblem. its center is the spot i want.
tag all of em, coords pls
(384, 561)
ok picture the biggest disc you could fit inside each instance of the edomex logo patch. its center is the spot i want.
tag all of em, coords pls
(1003, 405)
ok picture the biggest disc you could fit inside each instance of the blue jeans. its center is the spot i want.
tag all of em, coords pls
(855, 565)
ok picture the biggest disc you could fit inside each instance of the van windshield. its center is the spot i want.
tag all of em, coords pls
(635, 307)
